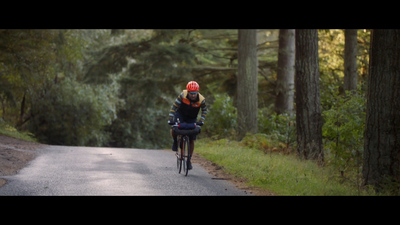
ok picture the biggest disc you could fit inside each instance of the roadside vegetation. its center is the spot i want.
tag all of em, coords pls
(278, 171)
(268, 159)
(11, 131)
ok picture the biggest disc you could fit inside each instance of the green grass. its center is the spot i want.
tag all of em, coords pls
(282, 174)
(10, 131)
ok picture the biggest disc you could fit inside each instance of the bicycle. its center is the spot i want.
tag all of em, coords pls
(183, 130)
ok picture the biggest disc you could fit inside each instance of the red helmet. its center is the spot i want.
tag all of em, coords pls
(192, 86)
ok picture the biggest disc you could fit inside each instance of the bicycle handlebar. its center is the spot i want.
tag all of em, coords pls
(186, 125)
(186, 128)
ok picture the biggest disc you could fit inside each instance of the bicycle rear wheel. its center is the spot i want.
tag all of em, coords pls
(185, 155)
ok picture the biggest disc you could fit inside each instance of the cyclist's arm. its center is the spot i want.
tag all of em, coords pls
(175, 106)
(203, 107)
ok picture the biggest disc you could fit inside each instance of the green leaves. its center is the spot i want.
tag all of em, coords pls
(72, 113)
(343, 130)
(278, 127)
(221, 118)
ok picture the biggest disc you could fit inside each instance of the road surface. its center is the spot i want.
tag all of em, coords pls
(82, 171)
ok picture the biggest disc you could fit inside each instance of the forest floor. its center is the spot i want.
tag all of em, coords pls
(15, 154)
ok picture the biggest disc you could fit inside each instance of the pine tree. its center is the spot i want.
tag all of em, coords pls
(308, 103)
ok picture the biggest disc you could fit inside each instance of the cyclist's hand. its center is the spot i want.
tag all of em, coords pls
(200, 123)
(171, 122)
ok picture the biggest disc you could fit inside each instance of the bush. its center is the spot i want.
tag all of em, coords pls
(221, 118)
(343, 130)
(257, 141)
(278, 127)
(71, 113)
(275, 131)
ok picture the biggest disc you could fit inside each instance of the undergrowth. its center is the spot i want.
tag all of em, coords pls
(278, 171)
(10, 131)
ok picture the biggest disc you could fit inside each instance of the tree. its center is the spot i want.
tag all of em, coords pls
(72, 113)
(308, 103)
(26, 59)
(350, 60)
(147, 85)
(285, 75)
(382, 128)
(247, 87)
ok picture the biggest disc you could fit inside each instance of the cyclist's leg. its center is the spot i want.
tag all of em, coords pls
(192, 138)
(175, 141)
(174, 136)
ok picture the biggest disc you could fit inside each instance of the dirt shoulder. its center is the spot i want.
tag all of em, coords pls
(15, 154)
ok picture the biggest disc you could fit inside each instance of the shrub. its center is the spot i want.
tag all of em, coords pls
(278, 127)
(343, 130)
(257, 141)
(221, 118)
(71, 113)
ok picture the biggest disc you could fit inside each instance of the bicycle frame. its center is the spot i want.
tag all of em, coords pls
(183, 145)
(183, 154)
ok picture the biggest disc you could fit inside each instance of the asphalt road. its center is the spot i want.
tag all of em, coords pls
(83, 171)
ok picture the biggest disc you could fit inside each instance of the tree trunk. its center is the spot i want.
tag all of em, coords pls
(247, 86)
(308, 103)
(285, 75)
(22, 111)
(350, 60)
(382, 127)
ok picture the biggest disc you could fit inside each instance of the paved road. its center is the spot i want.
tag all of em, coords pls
(62, 170)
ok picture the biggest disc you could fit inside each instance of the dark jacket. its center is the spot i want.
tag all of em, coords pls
(187, 108)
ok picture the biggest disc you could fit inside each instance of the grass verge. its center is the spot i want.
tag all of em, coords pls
(282, 174)
(10, 131)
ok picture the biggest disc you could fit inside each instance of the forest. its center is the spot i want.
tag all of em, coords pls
(328, 95)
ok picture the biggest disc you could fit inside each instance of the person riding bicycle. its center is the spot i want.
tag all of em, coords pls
(186, 107)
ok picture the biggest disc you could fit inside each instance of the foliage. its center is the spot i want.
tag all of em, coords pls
(278, 127)
(221, 118)
(24, 61)
(10, 131)
(258, 141)
(331, 56)
(140, 123)
(71, 113)
(343, 130)
(275, 130)
(150, 68)
(282, 174)
(146, 82)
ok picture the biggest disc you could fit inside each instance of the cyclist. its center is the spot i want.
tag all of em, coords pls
(186, 107)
